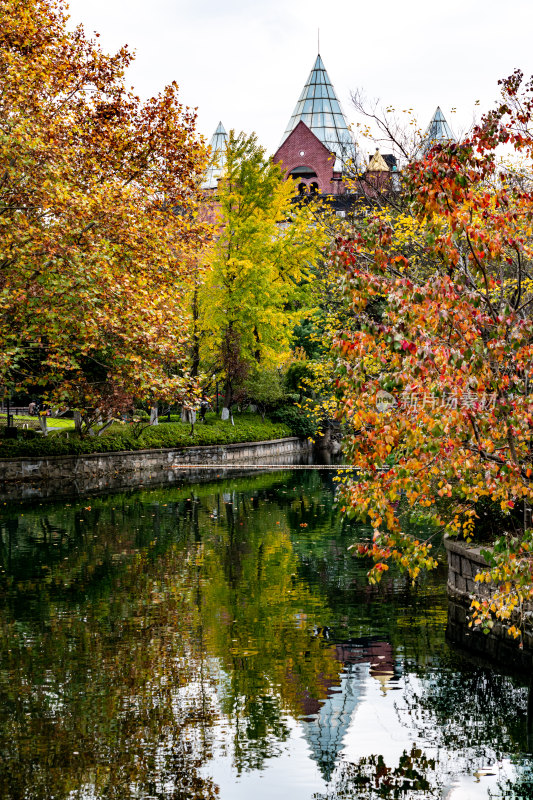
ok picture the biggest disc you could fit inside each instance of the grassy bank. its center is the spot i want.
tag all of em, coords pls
(54, 423)
(247, 428)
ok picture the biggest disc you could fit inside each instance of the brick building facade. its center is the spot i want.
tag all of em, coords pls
(318, 152)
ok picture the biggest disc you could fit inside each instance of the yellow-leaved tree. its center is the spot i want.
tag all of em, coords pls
(258, 280)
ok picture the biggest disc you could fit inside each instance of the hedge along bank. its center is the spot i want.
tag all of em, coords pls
(247, 428)
(157, 449)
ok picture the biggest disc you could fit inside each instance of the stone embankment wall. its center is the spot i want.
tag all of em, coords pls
(497, 647)
(463, 565)
(50, 475)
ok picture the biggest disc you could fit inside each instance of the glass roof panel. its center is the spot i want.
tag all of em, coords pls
(438, 131)
(316, 100)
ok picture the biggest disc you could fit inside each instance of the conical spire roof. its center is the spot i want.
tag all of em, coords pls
(319, 108)
(438, 132)
(218, 158)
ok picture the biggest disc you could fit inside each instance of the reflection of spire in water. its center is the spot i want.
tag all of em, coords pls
(325, 731)
(327, 721)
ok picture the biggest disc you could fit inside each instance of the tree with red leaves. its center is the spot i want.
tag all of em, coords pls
(436, 385)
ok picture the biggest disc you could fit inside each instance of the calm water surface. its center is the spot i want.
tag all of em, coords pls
(218, 640)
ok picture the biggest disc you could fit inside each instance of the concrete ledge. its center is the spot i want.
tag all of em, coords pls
(281, 445)
(497, 648)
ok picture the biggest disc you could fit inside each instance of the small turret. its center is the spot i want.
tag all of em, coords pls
(218, 158)
(377, 163)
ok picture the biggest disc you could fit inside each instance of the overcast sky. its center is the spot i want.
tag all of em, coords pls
(245, 62)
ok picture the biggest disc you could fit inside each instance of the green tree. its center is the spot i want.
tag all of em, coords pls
(266, 390)
(259, 274)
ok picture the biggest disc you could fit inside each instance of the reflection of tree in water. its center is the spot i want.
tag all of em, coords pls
(519, 788)
(437, 705)
(370, 778)
(94, 671)
(259, 620)
(105, 619)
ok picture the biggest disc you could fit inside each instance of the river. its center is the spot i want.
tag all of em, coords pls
(218, 640)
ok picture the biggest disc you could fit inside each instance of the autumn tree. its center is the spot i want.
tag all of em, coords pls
(259, 270)
(98, 220)
(444, 408)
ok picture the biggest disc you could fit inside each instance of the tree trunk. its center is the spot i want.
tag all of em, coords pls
(105, 427)
(195, 366)
(77, 422)
(530, 716)
(42, 423)
(228, 399)
(228, 395)
(257, 354)
(154, 416)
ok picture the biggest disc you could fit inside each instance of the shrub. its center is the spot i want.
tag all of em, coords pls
(299, 378)
(299, 424)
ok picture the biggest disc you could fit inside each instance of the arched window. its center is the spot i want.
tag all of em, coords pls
(314, 188)
(302, 188)
(302, 173)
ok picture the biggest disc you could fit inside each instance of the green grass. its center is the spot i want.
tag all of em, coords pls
(247, 428)
(52, 422)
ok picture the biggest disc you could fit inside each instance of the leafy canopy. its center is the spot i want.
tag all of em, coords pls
(98, 218)
(259, 271)
(452, 345)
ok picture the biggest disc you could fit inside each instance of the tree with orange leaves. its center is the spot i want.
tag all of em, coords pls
(436, 384)
(98, 220)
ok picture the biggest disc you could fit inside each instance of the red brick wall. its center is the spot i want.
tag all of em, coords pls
(316, 156)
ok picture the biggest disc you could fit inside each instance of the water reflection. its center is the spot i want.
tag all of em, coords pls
(218, 640)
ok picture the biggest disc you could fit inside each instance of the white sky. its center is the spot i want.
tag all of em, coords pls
(245, 62)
